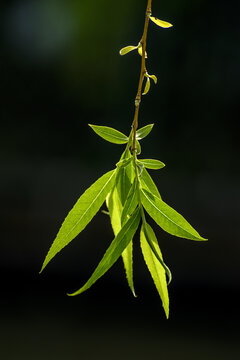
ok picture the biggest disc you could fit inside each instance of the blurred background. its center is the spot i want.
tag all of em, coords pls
(60, 70)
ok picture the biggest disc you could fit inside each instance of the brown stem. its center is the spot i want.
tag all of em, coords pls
(143, 42)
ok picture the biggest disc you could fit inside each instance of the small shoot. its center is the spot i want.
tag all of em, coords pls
(128, 192)
(161, 23)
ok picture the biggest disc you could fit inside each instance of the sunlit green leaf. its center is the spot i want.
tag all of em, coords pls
(124, 162)
(115, 206)
(144, 131)
(156, 269)
(110, 134)
(115, 210)
(154, 246)
(127, 49)
(167, 218)
(161, 23)
(82, 213)
(127, 256)
(152, 164)
(138, 147)
(123, 184)
(147, 87)
(148, 184)
(116, 248)
(130, 203)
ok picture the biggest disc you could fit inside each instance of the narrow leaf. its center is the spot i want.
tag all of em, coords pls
(115, 210)
(161, 23)
(110, 134)
(115, 207)
(127, 256)
(148, 184)
(131, 203)
(129, 167)
(167, 218)
(152, 164)
(82, 213)
(155, 268)
(147, 87)
(123, 184)
(127, 49)
(114, 251)
(144, 131)
(154, 245)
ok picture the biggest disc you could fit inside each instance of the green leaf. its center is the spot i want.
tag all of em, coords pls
(124, 162)
(156, 269)
(82, 213)
(123, 184)
(154, 246)
(144, 131)
(131, 202)
(127, 256)
(116, 248)
(138, 147)
(115, 209)
(167, 218)
(110, 134)
(161, 23)
(148, 184)
(151, 164)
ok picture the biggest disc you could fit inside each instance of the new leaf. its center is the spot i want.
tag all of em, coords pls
(144, 131)
(110, 134)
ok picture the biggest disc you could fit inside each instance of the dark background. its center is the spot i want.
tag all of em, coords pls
(60, 70)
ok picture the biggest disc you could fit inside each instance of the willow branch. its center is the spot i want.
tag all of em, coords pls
(143, 42)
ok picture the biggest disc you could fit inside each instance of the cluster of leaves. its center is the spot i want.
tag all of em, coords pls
(129, 191)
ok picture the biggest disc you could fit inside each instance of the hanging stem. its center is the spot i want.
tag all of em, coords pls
(143, 42)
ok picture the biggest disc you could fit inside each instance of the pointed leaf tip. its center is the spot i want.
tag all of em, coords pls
(161, 23)
(154, 261)
(168, 218)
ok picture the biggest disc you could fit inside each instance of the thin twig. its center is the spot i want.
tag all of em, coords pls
(143, 42)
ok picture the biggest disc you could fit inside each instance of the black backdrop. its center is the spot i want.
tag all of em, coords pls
(60, 70)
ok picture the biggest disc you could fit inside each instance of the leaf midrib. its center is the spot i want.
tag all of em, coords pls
(167, 216)
(123, 138)
(88, 207)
